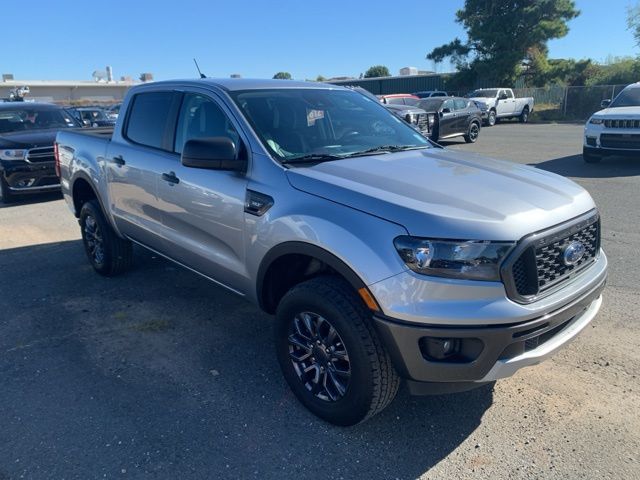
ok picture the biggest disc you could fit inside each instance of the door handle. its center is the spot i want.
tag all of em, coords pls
(170, 177)
(118, 160)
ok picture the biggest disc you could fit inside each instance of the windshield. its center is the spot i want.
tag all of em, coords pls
(92, 115)
(431, 104)
(323, 124)
(34, 119)
(629, 97)
(483, 94)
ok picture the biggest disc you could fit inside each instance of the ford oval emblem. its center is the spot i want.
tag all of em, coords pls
(573, 253)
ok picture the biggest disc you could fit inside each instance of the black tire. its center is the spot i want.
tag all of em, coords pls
(491, 118)
(7, 195)
(372, 383)
(108, 254)
(590, 157)
(472, 133)
(524, 116)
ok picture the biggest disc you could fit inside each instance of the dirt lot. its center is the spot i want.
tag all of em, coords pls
(160, 374)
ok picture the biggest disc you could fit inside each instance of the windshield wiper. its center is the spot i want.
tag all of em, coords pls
(312, 158)
(386, 149)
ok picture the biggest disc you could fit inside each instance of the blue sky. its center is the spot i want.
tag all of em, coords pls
(67, 39)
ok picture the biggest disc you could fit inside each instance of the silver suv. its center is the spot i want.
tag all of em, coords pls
(382, 255)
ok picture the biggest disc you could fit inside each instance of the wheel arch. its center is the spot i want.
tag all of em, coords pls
(291, 262)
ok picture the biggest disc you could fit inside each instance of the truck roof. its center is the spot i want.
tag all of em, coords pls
(232, 84)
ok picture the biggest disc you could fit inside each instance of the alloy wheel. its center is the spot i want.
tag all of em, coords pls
(93, 240)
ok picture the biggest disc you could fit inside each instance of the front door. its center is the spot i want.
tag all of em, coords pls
(203, 210)
(447, 120)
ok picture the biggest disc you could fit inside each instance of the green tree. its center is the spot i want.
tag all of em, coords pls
(282, 76)
(633, 21)
(377, 71)
(500, 33)
(320, 78)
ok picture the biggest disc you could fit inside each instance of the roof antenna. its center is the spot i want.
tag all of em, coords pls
(202, 75)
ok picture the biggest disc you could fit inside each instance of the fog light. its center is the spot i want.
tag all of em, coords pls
(439, 348)
(25, 182)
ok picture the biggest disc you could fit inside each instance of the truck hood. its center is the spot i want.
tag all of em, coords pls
(485, 100)
(442, 193)
(28, 138)
(619, 112)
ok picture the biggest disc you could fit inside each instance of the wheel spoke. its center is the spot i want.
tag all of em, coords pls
(336, 383)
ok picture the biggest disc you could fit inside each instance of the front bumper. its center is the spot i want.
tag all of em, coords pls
(24, 177)
(488, 352)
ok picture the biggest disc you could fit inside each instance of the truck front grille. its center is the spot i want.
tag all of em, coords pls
(616, 140)
(539, 266)
(40, 155)
(622, 123)
(423, 122)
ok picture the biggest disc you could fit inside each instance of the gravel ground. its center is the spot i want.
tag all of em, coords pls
(160, 374)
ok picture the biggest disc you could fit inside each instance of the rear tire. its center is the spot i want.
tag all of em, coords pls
(524, 116)
(590, 157)
(316, 320)
(472, 133)
(108, 254)
(7, 195)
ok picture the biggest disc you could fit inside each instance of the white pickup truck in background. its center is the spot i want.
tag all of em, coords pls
(498, 103)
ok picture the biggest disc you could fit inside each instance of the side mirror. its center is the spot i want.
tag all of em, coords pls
(213, 153)
(446, 110)
(605, 103)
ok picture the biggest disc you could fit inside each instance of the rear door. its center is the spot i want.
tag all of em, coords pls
(134, 164)
(203, 210)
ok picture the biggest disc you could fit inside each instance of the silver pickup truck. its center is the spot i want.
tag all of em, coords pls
(382, 255)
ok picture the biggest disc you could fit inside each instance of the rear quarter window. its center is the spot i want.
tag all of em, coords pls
(150, 119)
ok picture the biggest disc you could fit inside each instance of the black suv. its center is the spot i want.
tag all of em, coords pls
(454, 117)
(27, 133)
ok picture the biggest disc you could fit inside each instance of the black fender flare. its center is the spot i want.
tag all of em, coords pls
(308, 249)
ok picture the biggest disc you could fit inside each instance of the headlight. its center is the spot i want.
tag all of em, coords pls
(12, 154)
(596, 121)
(432, 119)
(472, 260)
(411, 118)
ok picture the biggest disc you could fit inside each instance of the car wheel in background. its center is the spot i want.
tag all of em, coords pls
(330, 353)
(590, 157)
(108, 254)
(491, 118)
(472, 133)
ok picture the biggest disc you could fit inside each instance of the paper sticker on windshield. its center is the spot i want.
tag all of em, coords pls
(313, 115)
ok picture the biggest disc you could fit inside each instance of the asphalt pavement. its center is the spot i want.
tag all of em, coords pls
(161, 374)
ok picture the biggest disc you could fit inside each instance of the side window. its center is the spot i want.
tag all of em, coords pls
(501, 93)
(460, 104)
(447, 104)
(201, 117)
(149, 118)
(509, 93)
(439, 94)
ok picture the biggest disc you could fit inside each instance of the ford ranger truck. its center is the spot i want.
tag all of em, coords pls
(382, 255)
(615, 130)
(501, 103)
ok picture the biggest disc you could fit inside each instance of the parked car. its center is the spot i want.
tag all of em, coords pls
(382, 255)
(414, 116)
(454, 117)
(92, 117)
(430, 93)
(27, 134)
(500, 103)
(399, 99)
(113, 111)
(615, 130)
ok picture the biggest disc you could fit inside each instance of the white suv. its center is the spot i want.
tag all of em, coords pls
(615, 130)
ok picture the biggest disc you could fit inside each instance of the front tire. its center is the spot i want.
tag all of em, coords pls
(330, 354)
(472, 133)
(590, 157)
(491, 118)
(7, 195)
(108, 254)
